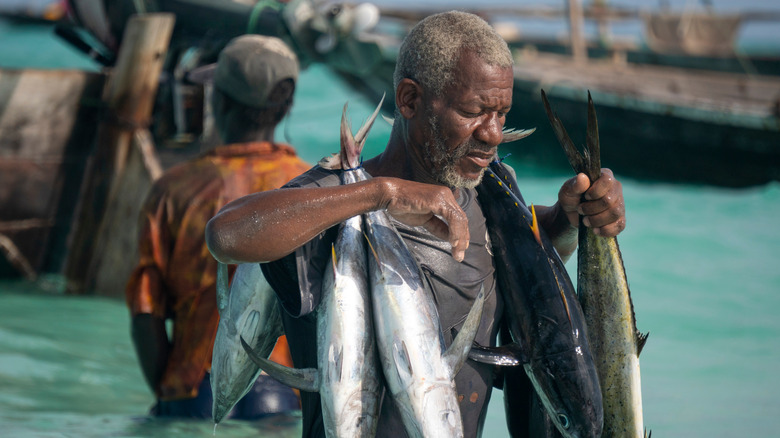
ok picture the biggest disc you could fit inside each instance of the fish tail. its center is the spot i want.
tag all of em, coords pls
(576, 159)
(352, 146)
(350, 149)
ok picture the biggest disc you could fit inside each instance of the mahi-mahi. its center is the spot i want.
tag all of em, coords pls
(603, 290)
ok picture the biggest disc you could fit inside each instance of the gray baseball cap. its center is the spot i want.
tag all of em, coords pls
(249, 67)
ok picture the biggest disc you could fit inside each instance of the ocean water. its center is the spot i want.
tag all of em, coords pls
(702, 263)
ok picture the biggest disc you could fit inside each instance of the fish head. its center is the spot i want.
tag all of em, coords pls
(440, 411)
(568, 386)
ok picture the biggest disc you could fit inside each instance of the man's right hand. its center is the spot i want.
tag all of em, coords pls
(269, 225)
(432, 207)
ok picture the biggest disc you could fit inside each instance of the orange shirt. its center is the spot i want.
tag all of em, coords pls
(176, 275)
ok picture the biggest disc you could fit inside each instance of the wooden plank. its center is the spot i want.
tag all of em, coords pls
(47, 127)
(726, 93)
(129, 97)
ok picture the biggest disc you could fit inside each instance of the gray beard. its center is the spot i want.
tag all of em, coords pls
(443, 161)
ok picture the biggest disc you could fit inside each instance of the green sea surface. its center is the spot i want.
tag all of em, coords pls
(702, 263)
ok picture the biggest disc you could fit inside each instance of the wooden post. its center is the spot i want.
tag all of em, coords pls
(579, 50)
(129, 97)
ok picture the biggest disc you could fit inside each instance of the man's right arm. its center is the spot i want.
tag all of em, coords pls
(269, 225)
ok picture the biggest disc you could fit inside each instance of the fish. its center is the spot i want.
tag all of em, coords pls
(247, 309)
(419, 370)
(602, 289)
(542, 314)
(347, 374)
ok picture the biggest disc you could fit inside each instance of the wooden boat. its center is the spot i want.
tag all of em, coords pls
(659, 123)
(47, 129)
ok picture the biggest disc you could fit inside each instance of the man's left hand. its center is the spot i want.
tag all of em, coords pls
(602, 204)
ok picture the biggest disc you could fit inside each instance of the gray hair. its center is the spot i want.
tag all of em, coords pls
(431, 50)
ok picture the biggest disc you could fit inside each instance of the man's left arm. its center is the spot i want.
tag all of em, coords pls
(601, 205)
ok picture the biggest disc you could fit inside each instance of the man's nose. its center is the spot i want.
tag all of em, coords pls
(490, 130)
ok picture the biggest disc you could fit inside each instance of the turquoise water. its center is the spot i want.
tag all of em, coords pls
(702, 262)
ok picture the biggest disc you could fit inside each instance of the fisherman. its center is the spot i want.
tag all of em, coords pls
(253, 84)
(453, 88)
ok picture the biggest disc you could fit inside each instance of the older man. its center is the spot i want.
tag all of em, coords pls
(175, 279)
(453, 89)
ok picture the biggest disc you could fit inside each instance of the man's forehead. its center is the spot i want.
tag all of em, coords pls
(481, 81)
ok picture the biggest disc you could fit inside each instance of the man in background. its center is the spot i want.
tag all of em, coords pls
(253, 85)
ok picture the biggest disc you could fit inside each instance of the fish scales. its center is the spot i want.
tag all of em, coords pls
(602, 288)
(609, 314)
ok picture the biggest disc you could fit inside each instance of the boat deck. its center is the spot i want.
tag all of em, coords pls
(736, 99)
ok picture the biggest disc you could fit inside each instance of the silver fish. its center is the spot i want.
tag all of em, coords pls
(602, 288)
(419, 371)
(248, 310)
(347, 376)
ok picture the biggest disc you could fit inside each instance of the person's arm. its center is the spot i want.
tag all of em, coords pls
(269, 225)
(603, 210)
(150, 340)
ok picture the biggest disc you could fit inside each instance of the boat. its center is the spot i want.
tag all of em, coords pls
(658, 122)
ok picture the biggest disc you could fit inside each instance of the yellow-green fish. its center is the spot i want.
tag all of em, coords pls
(603, 292)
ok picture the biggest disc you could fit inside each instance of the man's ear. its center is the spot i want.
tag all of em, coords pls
(408, 96)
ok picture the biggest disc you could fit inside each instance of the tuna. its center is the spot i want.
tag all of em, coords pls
(602, 288)
(248, 310)
(542, 313)
(347, 374)
(418, 369)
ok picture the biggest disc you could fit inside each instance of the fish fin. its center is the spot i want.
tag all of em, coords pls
(223, 287)
(576, 160)
(331, 162)
(305, 379)
(373, 252)
(336, 363)
(535, 226)
(401, 359)
(641, 339)
(250, 325)
(505, 355)
(333, 257)
(349, 146)
(512, 134)
(458, 351)
(362, 133)
(593, 147)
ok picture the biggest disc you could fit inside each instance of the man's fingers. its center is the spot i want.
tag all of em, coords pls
(612, 229)
(601, 186)
(571, 192)
(454, 235)
(458, 233)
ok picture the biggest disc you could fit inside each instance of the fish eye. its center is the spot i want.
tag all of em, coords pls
(564, 420)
